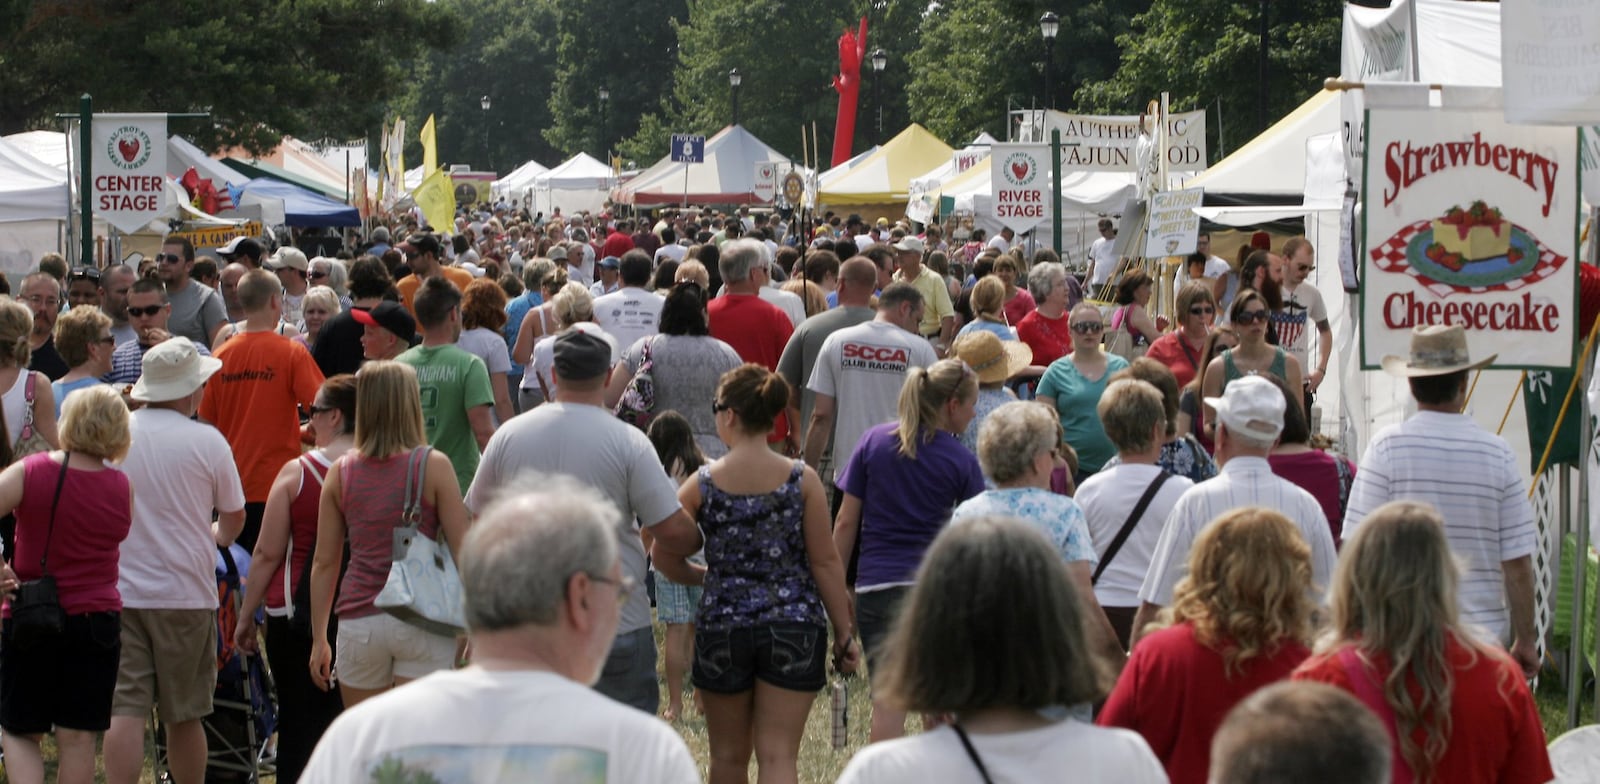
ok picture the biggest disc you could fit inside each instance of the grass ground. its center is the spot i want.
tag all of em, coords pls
(821, 764)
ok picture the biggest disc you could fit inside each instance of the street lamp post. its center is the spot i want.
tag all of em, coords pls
(1049, 26)
(879, 60)
(734, 79)
(605, 98)
(484, 104)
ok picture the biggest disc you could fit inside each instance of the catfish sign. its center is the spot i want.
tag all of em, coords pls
(1020, 175)
(1469, 221)
(128, 156)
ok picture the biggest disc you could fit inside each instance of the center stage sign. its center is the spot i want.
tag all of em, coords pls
(1470, 221)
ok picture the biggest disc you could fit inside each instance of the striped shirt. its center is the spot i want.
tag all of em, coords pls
(1244, 481)
(1471, 477)
(127, 361)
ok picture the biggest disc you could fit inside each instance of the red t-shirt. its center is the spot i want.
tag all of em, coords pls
(92, 519)
(1018, 307)
(1495, 733)
(1050, 339)
(757, 330)
(1317, 472)
(1170, 350)
(1175, 692)
(616, 244)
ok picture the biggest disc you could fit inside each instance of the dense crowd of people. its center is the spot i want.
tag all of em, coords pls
(1065, 530)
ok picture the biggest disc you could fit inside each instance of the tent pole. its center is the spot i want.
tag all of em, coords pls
(1580, 561)
(85, 179)
(1055, 189)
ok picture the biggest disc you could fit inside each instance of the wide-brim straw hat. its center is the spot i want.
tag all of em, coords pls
(1435, 351)
(993, 359)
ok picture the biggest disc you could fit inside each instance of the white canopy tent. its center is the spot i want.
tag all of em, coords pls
(1084, 196)
(579, 184)
(727, 175)
(33, 208)
(519, 183)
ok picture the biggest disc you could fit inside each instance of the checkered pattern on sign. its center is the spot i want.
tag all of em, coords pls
(1390, 256)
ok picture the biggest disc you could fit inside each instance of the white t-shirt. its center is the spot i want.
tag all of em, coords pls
(544, 360)
(488, 727)
(999, 243)
(1090, 753)
(1215, 268)
(591, 444)
(1303, 309)
(863, 368)
(787, 301)
(629, 314)
(1103, 253)
(487, 345)
(674, 251)
(180, 470)
(1107, 498)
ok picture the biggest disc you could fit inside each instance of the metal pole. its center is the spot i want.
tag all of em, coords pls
(1049, 55)
(1261, 105)
(1055, 189)
(85, 180)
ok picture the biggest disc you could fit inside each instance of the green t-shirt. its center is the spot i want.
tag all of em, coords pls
(453, 381)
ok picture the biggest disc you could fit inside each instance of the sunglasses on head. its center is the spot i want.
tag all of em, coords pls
(84, 273)
(1088, 327)
(149, 310)
(1249, 317)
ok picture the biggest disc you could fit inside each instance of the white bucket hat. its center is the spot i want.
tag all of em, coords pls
(173, 370)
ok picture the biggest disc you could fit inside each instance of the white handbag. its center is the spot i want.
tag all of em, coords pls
(423, 588)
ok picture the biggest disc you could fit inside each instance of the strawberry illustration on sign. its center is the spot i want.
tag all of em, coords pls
(129, 147)
(1019, 169)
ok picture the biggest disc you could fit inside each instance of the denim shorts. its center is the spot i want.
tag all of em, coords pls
(676, 603)
(790, 656)
(875, 614)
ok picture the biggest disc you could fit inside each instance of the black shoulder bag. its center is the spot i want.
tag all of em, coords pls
(1127, 525)
(36, 612)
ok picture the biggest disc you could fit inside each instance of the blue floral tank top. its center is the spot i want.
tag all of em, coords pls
(757, 571)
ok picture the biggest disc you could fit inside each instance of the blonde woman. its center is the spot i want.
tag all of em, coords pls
(84, 340)
(65, 683)
(538, 323)
(810, 293)
(1457, 710)
(1239, 621)
(1004, 699)
(361, 503)
(988, 310)
(694, 271)
(900, 486)
(574, 305)
(320, 304)
(27, 395)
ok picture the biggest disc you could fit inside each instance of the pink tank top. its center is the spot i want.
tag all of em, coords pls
(371, 499)
(92, 519)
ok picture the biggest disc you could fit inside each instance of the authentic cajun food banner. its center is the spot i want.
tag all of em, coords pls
(1470, 221)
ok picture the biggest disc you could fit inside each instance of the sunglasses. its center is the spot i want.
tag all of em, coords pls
(322, 409)
(1307, 267)
(318, 275)
(625, 586)
(166, 258)
(149, 310)
(1249, 317)
(717, 407)
(84, 273)
(1088, 327)
(109, 340)
(1201, 311)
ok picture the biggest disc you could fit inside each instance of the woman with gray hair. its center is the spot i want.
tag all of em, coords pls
(1017, 449)
(1046, 330)
(320, 304)
(331, 273)
(1005, 700)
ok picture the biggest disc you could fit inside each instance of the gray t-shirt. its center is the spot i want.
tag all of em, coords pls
(592, 445)
(686, 371)
(197, 312)
(800, 355)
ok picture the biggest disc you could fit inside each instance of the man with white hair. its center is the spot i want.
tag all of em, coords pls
(544, 589)
(1249, 421)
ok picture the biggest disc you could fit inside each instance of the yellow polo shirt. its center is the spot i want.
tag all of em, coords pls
(936, 300)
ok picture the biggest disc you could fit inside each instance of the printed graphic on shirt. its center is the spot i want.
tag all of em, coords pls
(489, 765)
(1291, 323)
(875, 358)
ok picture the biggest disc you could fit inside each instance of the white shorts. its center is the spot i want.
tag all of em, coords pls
(376, 649)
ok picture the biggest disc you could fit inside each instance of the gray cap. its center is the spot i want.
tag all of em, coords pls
(583, 352)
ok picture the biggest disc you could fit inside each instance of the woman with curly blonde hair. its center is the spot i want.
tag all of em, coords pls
(1457, 710)
(1239, 621)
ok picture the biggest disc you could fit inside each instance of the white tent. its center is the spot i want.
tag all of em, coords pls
(519, 183)
(1084, 196)
(579, 184)
(46, 146)
(33, 208)
(727, 175)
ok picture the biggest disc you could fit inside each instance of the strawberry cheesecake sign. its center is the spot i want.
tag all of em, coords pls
(1020, 177)
(1474, 222)
(129, 160)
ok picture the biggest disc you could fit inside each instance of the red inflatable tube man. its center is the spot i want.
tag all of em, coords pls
(852, 50)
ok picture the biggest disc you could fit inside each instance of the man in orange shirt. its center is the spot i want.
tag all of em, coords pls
(254, 399)
(422, 257)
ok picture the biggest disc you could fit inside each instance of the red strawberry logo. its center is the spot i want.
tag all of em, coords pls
(1019, 170)
(129, 147)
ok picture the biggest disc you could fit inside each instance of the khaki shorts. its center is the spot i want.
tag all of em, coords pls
(169, 660)
(376, 649)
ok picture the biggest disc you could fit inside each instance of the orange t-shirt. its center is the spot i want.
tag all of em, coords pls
(253, 400)
(409, 284)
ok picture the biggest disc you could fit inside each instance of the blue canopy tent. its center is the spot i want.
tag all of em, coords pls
(300, 206)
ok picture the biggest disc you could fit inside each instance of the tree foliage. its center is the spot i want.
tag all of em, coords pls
(1205, 53)
(311, 68)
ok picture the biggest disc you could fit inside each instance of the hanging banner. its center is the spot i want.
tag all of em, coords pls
(1020, 177)
(766, 182)
(1377, 43)
(1470, 221)
(128, 155)
(963, 160)
(1109, 143)
(1174, 227)
(1550, 67)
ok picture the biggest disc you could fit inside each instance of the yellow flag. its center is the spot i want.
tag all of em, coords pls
(436, 197)
(430, 148)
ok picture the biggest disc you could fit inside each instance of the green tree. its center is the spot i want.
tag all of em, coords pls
(1205, 53)
(312, 68)
(589, 58)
